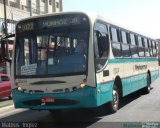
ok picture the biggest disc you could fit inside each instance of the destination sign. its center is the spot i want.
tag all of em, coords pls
(26, 26)
(59, 22)
(51, 22)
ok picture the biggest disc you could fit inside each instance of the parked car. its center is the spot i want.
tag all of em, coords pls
(5, 86)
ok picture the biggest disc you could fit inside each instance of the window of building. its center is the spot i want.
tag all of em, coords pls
(43, 1)
(57, 4)
(50, 2)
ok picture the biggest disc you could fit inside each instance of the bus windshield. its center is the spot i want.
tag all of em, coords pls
(58, 48)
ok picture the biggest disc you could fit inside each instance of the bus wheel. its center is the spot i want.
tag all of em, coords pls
(147, 89)
(114, 104)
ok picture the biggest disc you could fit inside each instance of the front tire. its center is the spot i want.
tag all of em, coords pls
(114, 104)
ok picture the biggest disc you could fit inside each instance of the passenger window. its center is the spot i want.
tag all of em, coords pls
(150, 48)
(114, 35)
(140, 44)
(116, 45)
(154, 48)
(146, 48)
(101, 45)
(132, 37)
(124, 37)
(133, 46)
(140, 47)
(125, 45)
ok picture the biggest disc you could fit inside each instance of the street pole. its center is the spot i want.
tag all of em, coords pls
(5, 34)
(5, 20)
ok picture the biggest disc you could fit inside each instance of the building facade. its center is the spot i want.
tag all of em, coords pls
(19, 9)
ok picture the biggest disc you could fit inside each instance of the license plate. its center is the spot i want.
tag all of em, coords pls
(47, 100)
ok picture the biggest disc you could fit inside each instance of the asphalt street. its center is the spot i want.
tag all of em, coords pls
(136, 108)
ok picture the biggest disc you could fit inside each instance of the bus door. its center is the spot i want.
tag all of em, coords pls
(101, 53)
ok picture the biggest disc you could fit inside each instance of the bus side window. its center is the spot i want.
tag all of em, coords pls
(125, 45)
(116, 45)
(140, 47)
(146, 48)
(133, 46)
(154, 48)
(150, 48)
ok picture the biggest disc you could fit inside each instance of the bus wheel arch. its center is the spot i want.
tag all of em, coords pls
(116, 94)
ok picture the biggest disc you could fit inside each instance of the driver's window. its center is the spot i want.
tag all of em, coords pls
(101, 45)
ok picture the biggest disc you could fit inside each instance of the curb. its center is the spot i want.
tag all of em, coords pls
(6, 109)
(5, 105)
(5, 102)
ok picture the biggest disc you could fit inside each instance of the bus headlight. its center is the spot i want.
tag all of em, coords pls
(19, 88)
(83, 83)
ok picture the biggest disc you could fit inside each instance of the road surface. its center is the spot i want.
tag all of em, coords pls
(137, 108)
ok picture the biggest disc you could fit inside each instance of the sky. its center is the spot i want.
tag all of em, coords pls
(141, 16)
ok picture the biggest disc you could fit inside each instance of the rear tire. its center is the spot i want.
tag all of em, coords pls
(114, 104)
(147, 89)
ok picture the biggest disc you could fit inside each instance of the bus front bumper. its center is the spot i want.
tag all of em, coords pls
(81, 98)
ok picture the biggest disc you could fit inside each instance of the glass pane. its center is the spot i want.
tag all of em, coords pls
(52, 49)
(124, 37)
(114, 34)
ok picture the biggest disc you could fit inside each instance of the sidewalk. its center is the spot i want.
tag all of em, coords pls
(6, 103)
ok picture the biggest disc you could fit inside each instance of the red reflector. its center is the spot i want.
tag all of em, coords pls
(47, 100)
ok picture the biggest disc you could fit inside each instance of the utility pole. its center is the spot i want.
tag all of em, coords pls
(5, 20)
(5, 34)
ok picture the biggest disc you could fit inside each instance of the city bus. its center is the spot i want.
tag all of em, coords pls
(48, 72)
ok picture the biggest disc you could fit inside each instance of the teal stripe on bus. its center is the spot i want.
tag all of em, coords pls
(129, 85)
(131, 60)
